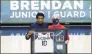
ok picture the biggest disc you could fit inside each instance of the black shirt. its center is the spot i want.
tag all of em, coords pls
(39, 26)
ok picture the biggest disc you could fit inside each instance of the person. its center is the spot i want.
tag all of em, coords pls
(39, 24)
(57, 25)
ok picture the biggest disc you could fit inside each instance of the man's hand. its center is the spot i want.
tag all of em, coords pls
(29, 34)
(67, 41)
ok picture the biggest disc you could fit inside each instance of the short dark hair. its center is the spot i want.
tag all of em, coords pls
(39, 14)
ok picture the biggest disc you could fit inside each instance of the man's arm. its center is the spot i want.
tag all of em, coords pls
(29, 34)
(67, 38)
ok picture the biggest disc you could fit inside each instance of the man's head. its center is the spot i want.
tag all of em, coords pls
(55, 19)
(40, 18)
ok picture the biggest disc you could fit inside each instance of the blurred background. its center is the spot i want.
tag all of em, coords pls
(78, 21)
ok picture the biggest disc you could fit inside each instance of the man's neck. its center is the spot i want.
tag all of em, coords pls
(56, 24)
(39, 23)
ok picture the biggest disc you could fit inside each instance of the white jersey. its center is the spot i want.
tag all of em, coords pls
(43, 43)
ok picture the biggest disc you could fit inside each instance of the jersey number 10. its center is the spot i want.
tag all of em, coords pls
(44, 43)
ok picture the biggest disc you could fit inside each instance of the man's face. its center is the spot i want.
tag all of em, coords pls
(55, 21)
(40, 19)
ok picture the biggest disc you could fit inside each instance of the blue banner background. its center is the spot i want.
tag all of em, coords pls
(6, 12)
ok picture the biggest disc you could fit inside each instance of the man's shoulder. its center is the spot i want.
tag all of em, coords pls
(45, 23)
(33, 24)
(36, 23)
(62, 26)
(50, 26)
(59, 26)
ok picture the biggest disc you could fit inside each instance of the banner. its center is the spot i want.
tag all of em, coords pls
(24, 11)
